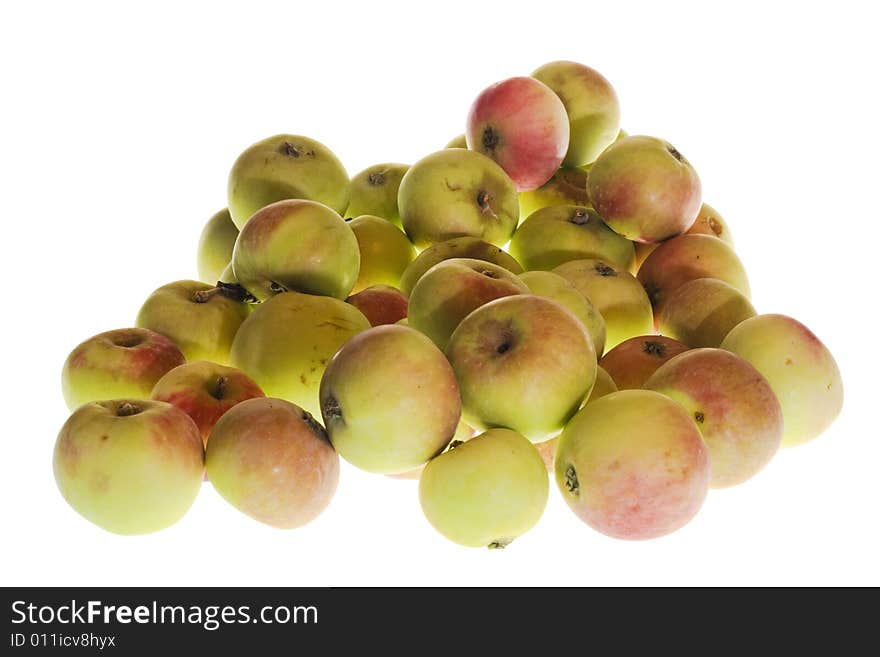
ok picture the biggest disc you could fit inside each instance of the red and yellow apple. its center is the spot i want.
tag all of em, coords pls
(385, 252)
(380, 304)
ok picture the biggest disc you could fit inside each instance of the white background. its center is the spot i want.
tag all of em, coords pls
(119, 127)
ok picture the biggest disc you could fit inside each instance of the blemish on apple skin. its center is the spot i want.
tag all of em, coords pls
(788, 361)
(571, 480)
(302, 379)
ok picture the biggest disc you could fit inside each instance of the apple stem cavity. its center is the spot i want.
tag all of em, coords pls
(571, 480)
(491, 139)
(500, 543)
(219, 388)
(376, 178)
(580, 217)
(125, 409)
(232, 291)
(331, 410)
(653, 348)
(604, 270)
(294, 151)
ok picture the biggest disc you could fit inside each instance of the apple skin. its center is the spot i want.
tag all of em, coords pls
(374, 192)
(297, 245)
(457, 247)
(633, 361)
(285, 344)
(116, 364)
(457, 193)
(457, 142)
(205, 391)
(194, 316)
(633, 465)
(604, 386)
(522, 362)
(561, 233)
(591, 105)
(800, 369)
(702, 311)
(380, 304)
(733, 405)
(404, 426)
(553, 286)
(615, 293)
(215, 246)
(452, 289)
(521, 124)
(385, 252)
(487, 491)
(285, 167)
(687, 258)
(565, 187)
(710, 222)
(273, 462)
(129, 466)
(644, 189)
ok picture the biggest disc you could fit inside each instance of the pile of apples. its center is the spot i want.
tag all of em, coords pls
(544, 294)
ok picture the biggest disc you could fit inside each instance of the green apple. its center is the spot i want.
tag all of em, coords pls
(215, 246)
(452, 289)
(487, 491)
(296, 245)
(522, 362)
(558, 234)
(129, 466)
(457, 193)
(615, 293)
(285, 167)
(800, 369)
(591, 104)
(403, 426)
(385, 252)
(374, 192)
(457, 247)
(285, 344)
(198, 317)
(457, 142)
(117, 364)
(272, 461)
(553, 286)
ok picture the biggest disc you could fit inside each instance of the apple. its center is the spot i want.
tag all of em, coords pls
(553, 286)
(286, 342)
(633, 361)
(558, 234)
(272, 461)
(215, 246)
(633, 465)
(198, 317)
(374, 192)
(521, 124)
(565, 187)
(404, 426)
(296, 245)
(117, 364)
(285, 167)
(380, 304)
(451, 289)
(129, 466)
(457, 247)
(702, 311)
(487, 491)
(522, 362)
(385, 252)
(205, 391)
(457, 193)
(645, 189)
(710, 222)
(733, 405)
(457, 142)
(591, 105)
(800, 369)
(615, 293)
(687, 258)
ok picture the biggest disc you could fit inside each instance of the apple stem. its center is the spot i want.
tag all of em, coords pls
(127, 408)
(232, 291)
